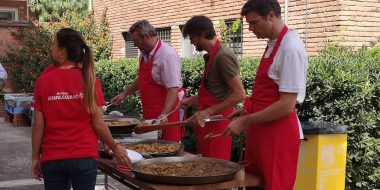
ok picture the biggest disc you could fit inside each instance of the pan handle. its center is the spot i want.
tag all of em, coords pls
(123, 168)
(244, 163)
(146, 156)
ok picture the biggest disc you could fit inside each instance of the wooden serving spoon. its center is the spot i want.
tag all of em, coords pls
(210, 136)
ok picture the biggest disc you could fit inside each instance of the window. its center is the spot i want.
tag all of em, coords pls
(235, 39)
(165, 34)
(8, 13)
(188, 50)
(130, 50)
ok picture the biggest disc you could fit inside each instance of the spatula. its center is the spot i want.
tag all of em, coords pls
(158, 121)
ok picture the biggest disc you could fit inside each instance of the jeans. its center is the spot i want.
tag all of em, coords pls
(82, 173)
(181, 114)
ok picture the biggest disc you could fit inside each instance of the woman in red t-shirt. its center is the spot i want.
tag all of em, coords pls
(68, 112)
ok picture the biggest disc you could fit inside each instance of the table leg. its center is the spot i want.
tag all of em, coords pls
(106, 181)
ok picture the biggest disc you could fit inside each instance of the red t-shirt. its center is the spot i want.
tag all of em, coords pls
(49, 68)
(69, 133)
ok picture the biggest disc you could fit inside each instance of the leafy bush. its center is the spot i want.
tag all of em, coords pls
(375, 52)
(44, 7)
(115, 76)
(97, 35)
(343, 87)
(26, 62)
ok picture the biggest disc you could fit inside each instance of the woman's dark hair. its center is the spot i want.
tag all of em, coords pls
(262, 7)
(79, 53)
(198, 26)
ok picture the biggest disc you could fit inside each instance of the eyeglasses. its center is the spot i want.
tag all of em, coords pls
(135, 42)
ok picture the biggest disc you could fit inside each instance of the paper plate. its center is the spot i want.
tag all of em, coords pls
(134, 156)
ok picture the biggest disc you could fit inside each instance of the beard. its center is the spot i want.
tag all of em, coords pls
(199, 48)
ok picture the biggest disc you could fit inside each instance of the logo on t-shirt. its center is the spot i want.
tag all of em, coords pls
(65, 96)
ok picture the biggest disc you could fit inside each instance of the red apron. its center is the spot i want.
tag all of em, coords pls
(271, 148)
(153, 97)
(183, 127)
(218, 147)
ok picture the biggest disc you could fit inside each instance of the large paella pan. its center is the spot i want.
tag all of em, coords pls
(153, 147)
(173, 170)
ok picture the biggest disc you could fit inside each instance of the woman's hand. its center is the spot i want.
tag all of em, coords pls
(107, 150)
(36, 169)
(121, 155)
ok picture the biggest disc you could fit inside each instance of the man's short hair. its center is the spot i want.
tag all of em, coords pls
(262, 7)
(198, 26)
(143, 27)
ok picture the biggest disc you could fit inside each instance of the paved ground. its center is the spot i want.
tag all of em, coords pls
(15, 160)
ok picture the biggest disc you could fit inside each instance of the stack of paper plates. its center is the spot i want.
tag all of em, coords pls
(149, 135)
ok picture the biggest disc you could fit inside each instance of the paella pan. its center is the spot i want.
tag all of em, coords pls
(173, 170)
(153, 147)
(121, 124)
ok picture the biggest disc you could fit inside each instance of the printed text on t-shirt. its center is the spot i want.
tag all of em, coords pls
(65, 96)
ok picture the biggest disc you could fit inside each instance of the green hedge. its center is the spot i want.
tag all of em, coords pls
(115, 76)
(343, 87)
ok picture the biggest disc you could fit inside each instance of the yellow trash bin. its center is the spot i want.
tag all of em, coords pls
(322, 157)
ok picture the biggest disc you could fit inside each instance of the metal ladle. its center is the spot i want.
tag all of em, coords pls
(104, 108)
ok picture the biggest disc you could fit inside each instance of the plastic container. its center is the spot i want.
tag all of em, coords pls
(322, 157)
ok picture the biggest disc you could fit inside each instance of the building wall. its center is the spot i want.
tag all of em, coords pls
(165, 13)
(347, 21)
(7, 39)
(6, 27)
(21, 5)
(360, 21)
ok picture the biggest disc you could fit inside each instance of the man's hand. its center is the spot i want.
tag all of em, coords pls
(204, 113)
(117, 99)
(186, 102)
(164, 120)
(236, 127)
(238, 113)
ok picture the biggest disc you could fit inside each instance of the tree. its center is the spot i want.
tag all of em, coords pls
(44, 8)
(26, 62)
(224, 29)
